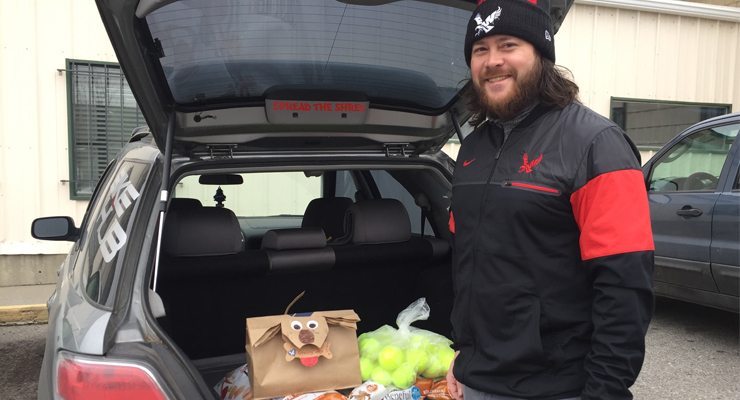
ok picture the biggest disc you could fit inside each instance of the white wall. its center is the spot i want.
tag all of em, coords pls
(645, 55)
(35, 39)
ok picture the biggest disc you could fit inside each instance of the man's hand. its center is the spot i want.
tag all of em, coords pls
(453, 386)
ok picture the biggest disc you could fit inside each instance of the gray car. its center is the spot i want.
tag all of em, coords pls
(291, 146)
(694, 191)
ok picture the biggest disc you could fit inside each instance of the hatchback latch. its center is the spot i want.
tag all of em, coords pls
(396, 149)
(220, 151)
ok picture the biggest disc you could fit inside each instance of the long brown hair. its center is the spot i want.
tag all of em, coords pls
(556, 88)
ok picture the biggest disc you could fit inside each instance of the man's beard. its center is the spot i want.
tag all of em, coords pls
(526, 92)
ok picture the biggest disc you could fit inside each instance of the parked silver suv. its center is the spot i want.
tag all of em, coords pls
(291, 146)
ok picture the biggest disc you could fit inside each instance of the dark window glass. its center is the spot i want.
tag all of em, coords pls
(404, 53)
(110, 223)
(102, 113)
(652, 124)
(345, 185)
(390, 188)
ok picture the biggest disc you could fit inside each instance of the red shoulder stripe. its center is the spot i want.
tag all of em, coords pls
(451, 223)
(613, 214)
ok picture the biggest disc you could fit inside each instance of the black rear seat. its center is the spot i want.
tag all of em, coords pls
(327, 213)
(210, 284)
(391, 266)
(297, 250)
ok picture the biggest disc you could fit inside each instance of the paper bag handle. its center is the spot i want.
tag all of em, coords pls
(294, 301)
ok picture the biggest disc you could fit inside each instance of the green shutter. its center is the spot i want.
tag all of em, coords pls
(102, 113)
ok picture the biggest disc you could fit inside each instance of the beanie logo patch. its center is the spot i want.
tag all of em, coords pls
(485, 26)
(547, 36)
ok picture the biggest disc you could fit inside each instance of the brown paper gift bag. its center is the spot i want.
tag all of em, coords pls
(290, 354)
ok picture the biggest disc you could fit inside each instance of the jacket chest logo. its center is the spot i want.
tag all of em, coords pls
(528, 166)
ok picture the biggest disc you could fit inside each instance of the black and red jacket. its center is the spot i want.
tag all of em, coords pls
(553, 258)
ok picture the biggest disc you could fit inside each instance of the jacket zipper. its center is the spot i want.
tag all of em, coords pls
(531, 186)
(477, 227)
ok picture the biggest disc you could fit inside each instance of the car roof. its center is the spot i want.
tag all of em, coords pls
(309, 74)
(720, 119)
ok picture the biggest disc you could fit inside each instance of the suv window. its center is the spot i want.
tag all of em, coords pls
(218, 51)
(110, 225)
(345, 186)
(390, 188)
(694, 163)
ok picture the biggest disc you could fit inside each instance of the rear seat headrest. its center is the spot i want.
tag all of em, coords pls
(184, 203)
(327, 213)
(294, 239)
(379, 221)
(204, 231)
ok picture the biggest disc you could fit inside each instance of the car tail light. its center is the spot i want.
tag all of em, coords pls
(87, 378)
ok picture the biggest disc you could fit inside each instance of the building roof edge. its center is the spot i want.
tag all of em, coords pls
(674, 7)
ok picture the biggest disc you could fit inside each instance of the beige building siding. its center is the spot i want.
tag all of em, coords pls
(35, 39)
(645, 55)
(612, 51)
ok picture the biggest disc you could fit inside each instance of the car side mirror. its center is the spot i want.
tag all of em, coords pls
(55, 228)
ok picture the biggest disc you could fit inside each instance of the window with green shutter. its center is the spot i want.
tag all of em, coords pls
(102, 115)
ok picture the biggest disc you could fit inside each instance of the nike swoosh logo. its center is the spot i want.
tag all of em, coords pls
(468, 162)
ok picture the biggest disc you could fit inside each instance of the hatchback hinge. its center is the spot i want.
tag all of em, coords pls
(220, 151)
(397, 150)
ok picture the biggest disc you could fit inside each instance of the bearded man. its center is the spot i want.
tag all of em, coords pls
(553, 249)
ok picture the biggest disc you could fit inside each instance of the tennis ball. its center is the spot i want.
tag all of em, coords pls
(367, 367)
(445, 357)
(435, 368)
(382, 377)
(390, 357)
(417, 358)
(369, 348)
(403, 377)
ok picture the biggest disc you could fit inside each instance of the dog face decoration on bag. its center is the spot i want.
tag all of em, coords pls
(305, 338)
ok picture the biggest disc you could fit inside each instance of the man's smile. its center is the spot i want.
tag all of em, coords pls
(497, 78)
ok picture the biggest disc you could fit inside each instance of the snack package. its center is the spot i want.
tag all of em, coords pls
(433, 389)
(329, 395)
(235, 385)
(412, 393)
(396, 357)
(368, 391)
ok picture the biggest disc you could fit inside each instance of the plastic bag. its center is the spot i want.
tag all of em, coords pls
(235, 385)
(391, 356)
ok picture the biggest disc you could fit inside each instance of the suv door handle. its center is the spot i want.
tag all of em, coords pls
(688, 211)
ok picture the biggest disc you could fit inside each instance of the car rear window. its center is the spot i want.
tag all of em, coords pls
(402, 53)
(110, 227)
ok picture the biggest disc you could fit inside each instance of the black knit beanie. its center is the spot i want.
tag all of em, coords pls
(525, 19)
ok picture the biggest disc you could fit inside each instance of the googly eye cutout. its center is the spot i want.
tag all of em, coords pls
(312, 324)
(296, 325)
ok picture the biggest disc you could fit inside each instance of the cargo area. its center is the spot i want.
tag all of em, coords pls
(217, 269)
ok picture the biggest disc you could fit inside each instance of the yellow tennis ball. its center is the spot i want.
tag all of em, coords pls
(435, 368)
(369, 348)
(367, 367)
(381, 376)
(445, 357)
(417, 358)
(403, 377)
(390, 357)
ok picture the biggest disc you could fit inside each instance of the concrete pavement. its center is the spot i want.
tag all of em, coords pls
(24, 304)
